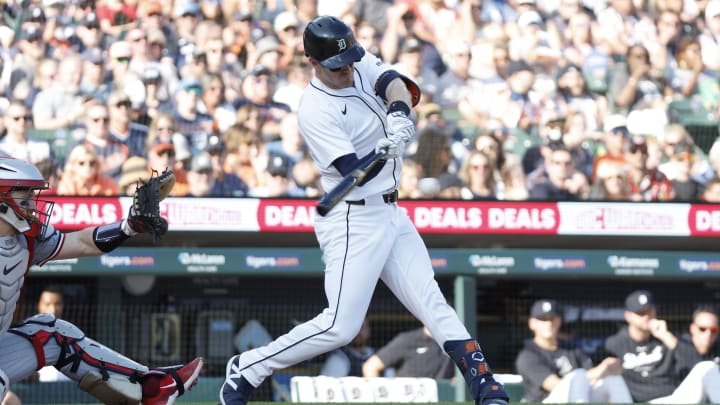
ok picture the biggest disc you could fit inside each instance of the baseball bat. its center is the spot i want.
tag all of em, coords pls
(334, 196)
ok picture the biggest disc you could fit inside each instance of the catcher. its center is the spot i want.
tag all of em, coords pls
(27, 238)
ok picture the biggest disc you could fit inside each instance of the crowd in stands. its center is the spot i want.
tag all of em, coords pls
(522, 99)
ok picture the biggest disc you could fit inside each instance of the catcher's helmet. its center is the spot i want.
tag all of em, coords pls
(26, 216)
(331, 42)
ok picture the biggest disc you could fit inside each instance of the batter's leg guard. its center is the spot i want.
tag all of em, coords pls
(471, 362)
(236, 389)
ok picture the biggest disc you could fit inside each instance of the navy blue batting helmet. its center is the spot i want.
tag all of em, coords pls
(331, 42)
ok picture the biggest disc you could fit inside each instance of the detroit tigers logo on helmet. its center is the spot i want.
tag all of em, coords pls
(341, 44)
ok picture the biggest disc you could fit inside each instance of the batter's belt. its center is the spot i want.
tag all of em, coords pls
(388, 198)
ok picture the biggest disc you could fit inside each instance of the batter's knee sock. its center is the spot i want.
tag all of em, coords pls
(471, 362)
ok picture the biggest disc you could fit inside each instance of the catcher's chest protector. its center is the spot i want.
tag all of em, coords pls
(14, 261)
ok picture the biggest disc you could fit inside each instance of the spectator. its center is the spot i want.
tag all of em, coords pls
(411, 354)
(16, 143)
(120, 54)
(162, 154)
(204, 182)
(575, 96)
(89, 32)
(611, 183)
(478, 176)
(638, 92)
(522, 112)
(121, 127)
(214, 104)
(116, 16)
(306, 179)
(412, 62)
(554, 370)
(226, 183)
(680, 167)
(456, 83)
(703, 335)
(689, 78)
(651, 363)
(62, 105)
(291, 144)
(244, 154)
(560, 181)
(348, 360)
(647, 184)
(616, 141)
(258, 88)
(298, 74)
(275, 179)
(709, 37)
(134, 171)
(187, 17)
(92, 83)
(711, 193)
(157, 98)
(409, 178)
(196, 126)
(286, 27)
(82, 176)
(26, 63)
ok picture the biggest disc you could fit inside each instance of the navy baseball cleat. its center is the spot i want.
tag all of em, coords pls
(236, 389)
(492, 393)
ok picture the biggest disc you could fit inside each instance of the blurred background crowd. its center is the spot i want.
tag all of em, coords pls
(523, 99)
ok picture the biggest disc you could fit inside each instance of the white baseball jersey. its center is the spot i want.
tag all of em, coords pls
(361, 243)
(337, 122)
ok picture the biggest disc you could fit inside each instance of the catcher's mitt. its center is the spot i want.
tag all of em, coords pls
(144, 216)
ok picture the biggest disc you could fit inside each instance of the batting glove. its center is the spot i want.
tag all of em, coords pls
(389, 147)
(399, 125)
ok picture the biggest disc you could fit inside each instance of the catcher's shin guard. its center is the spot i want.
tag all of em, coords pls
(471, 362)
(105, 374)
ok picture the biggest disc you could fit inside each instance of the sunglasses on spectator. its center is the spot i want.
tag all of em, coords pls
(712, 329)
(99, 119)
(123, 59)
(22, 117)
(91, 163)
(638, 148)
(620, 131)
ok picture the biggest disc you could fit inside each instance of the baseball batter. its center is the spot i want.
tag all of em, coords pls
(26, 238)
(356, 105)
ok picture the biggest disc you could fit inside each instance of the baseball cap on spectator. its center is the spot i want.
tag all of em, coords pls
(267, 44)
(31, 33)
(518, 66)
(243, 15)
(527, 2)
(162, 147)
(639, 301)
(117, 97)
(568, 69)
(36, 14)
(285, 20)
(152, 8)
(93, 55)
(215, 145)
(278, 165)
(151, 74)
(528, 18)
(187, 8)
(411, 45)
(90, 21)
(428, 109)
(614, 122)
(120, 49)
(201, 163)
(259, 70)
(133, 170)
(544, 308)
(188, 84)
(712, 9)
(53, 3)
